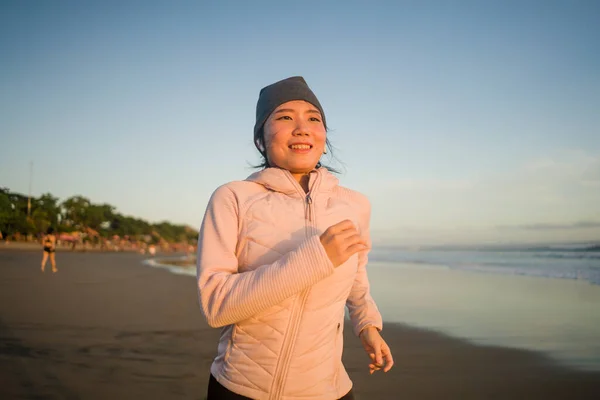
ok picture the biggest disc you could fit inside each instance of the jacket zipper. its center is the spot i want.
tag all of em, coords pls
(281, 372)
(308, 214)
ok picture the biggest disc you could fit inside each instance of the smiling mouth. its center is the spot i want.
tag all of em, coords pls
(300, 147)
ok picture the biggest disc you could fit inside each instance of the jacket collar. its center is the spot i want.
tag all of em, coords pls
(281, 180)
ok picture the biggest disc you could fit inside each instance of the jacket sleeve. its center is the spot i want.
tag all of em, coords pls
(226, 296)
(361, 306)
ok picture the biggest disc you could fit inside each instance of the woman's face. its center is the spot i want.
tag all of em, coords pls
(295, 137)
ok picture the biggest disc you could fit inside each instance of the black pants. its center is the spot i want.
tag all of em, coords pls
(216, 391)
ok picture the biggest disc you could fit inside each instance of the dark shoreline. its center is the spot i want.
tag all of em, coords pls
(106, 326)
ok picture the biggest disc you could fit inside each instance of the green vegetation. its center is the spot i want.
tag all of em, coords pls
(79, 214)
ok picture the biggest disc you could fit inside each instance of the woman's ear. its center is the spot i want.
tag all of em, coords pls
(259, 145)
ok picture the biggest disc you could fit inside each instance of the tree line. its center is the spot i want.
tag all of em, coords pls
(23, 216)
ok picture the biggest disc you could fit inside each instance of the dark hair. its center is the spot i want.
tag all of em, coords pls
(50, 231)
(265, 159)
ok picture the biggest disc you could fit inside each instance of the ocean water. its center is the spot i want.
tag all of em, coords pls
(542, 298)
(545, 299)
(580, 262)
(558, 317)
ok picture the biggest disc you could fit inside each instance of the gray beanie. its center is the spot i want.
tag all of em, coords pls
(274, 95)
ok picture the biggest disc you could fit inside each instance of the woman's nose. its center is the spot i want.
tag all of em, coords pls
(301, 129)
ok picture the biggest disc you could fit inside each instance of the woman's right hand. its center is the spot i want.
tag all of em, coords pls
(341, 241)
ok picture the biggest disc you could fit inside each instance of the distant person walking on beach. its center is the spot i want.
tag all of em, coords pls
(49, 242)
(280, 256)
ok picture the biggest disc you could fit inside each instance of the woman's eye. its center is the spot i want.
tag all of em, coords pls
(315, 119)
(286, 117)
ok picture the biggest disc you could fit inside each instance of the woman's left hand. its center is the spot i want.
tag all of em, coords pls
(377, 349)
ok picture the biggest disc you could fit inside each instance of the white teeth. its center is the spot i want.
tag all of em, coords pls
(300, 146)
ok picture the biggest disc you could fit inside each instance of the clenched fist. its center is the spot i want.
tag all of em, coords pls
(341, 241)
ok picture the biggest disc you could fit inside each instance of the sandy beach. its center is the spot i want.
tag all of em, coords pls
(106, 326)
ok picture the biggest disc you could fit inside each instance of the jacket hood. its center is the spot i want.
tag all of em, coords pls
(281, 180)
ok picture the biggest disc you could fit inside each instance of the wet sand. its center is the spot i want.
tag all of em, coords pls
(106, 326)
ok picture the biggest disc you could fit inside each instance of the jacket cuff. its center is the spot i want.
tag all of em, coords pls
(358, 328)
(311, 255)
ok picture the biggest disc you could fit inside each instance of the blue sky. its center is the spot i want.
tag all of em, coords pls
(462, 121)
